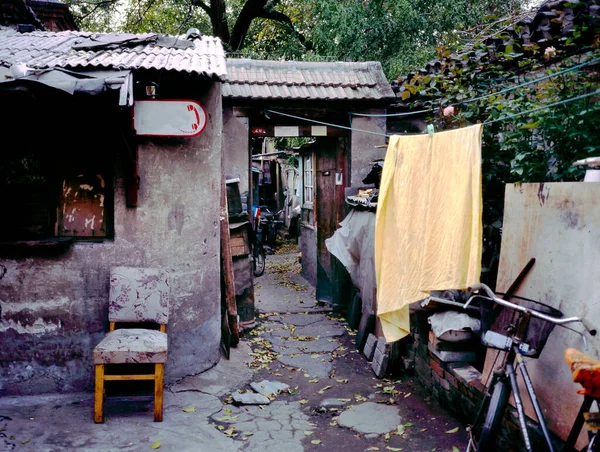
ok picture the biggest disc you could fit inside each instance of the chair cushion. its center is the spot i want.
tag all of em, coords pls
(132, 345)
(138, 295)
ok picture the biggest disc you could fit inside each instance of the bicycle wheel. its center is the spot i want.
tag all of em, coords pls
(259, 260)
(494, 416)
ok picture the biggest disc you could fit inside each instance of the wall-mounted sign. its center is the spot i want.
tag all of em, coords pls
(286, 131)
(168, 118)
(259, 131)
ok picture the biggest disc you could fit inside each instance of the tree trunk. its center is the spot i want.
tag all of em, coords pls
(218, 20)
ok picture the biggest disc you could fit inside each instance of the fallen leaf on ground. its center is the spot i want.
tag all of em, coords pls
(155, 445)
(373, 448)
(341, 380)
(190, 409)
(423, 430)
(322, 391)
(409, 424)
(400, 430)
(25, 441)
(455, 449)
(314, 380)
(454, 430)
(303, 402)
(247, 433)
(407, 395)
(316, 441)
(308, 432)
(395, 449)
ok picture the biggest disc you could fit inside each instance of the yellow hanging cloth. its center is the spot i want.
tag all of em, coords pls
(428, 233)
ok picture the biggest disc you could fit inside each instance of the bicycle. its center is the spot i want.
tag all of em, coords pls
(527, 329)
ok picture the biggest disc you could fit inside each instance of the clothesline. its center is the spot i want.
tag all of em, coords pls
(515, 115)
(475, 99)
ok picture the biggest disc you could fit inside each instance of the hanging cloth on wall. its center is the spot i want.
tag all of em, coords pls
(428, 230)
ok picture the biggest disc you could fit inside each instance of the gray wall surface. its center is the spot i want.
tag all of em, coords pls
(236, 147)
(362, 145)
(53, 309)
(308, 247)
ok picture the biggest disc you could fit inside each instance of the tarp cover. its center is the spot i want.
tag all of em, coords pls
(68, 81)
(354, 246)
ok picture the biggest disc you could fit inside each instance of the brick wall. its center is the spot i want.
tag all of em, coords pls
(458, 388)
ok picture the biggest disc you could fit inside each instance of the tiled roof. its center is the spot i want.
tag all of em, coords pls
(550, 25)
(46, 50)
(262, 79)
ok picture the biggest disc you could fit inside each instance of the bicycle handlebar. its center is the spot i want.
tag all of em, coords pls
(548, 318)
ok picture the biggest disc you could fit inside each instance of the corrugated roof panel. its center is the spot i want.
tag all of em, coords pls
(305, 80)
(46, 49)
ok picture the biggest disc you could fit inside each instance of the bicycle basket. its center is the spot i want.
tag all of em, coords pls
(536, 332)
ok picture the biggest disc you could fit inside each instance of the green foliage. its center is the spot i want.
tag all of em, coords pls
(401, 34)
(533, 147)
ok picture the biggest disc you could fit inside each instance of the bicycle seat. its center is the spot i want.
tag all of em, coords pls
(586, 371)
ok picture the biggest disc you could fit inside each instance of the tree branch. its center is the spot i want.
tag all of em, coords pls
(202, 5)
(254, 9)
(283, 18)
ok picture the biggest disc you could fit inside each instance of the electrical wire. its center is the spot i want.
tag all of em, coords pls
(497, 93)
(543, 107)
(504, 118)
(314, 121)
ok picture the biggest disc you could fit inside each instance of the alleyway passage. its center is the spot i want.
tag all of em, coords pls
(334, 402)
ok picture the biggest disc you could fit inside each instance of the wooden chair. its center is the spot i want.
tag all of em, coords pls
(136, 295)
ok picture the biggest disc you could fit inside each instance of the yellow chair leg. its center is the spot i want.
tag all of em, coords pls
(99, 394)
(159, 373)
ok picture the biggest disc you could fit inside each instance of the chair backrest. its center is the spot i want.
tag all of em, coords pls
(138, 295)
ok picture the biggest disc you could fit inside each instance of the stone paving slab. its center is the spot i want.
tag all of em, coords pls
(276, 427)
(298, 319)
(330, 330)
(221, 378)
(371, 418)
(317, 367)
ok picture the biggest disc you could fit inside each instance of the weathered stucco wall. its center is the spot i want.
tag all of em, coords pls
(53, 309)
(362, 145)
(236, 148)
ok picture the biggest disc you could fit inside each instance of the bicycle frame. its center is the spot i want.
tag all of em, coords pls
(515, 349)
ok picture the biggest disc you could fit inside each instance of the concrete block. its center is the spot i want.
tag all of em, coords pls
(449, 357)
(370, 345)
(465, 373)
(366, 327)
(269, 388)
(247, 398)
(381, 358)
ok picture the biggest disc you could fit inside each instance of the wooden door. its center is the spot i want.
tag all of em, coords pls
(330, 180)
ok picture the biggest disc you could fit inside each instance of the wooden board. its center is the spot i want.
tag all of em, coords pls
(558, 224)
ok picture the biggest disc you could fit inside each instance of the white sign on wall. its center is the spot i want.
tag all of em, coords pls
(169, 118)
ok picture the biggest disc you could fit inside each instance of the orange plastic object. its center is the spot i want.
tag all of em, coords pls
(586, 371)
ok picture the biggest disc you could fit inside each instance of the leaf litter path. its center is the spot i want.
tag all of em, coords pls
(334, 402)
